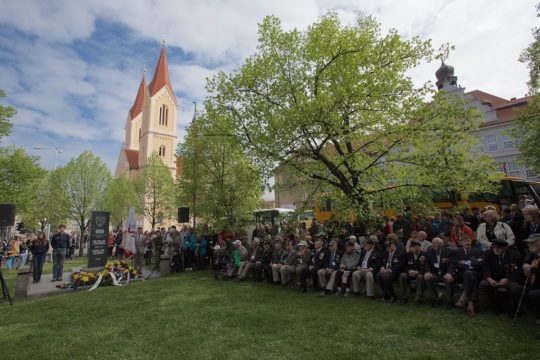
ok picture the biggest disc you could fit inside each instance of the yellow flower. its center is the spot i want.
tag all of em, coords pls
(85, 279)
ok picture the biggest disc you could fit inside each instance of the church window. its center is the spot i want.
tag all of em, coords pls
(163, 115)
(162, 150)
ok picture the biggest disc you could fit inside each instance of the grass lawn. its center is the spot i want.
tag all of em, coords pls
(192, 316)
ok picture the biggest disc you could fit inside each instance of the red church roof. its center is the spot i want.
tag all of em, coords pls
(485, 97)
(132, 158)
(136, 109)
(161, 75)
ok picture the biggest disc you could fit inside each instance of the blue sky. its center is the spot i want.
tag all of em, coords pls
(72, 68)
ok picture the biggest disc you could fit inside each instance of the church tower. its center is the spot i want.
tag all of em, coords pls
(151, 123)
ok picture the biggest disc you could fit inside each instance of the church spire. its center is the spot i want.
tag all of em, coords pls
(136, 109)
(161, 75)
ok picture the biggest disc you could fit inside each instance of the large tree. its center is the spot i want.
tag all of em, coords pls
(85, 179)
(527, 126)
(119, 196)
(18, 175)
(335, 105)
(155, 189)
(6, 112)
(218, 181)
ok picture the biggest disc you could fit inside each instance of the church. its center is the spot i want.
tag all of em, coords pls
(151, 124)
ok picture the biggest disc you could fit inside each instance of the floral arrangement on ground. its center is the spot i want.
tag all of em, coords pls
(115, 273)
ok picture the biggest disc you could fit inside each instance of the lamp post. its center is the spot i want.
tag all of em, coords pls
(56, 152)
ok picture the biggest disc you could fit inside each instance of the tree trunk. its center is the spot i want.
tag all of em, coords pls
(81, 240)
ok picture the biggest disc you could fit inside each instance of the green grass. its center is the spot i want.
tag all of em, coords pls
(192, 316)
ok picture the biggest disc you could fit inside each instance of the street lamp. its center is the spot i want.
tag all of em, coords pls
(56, 152)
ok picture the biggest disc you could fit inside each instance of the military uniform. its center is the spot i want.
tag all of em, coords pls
(506, 266)
(469, 264)
(439, 263)
(394, 261)
(413, 262)
(368, 267)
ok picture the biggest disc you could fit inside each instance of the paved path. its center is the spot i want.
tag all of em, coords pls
(47, 288)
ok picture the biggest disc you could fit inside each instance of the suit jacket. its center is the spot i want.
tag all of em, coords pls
(374, 260)
(395, 264)
(318, 258)
(303, 259)
(289, 257)
(277, 256)
(507, 266)
(333, 263)
(415, 263)
(446, 264)
(266, 256)
(255, 252)
(475, 256)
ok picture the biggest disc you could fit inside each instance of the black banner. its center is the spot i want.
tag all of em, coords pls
(99, 232)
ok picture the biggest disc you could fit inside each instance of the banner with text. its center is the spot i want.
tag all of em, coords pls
(99, 232)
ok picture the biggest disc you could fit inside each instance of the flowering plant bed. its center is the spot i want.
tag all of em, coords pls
(116, 273)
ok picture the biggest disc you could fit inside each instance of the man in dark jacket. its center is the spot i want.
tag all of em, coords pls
(315, 263)
(531, 268)
(263, 265)
(330, 267)
(368, 267)
(391, 266)
(502, 274)
(414, 267)
(469, 264)
(440, 268)
(60, 244)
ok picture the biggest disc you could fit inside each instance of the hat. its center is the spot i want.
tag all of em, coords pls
(415, 243)
(533, 238)
(500, 242)
(237, 242)
(302, 243)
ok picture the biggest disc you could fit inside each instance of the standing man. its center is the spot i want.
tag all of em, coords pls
(60, 244)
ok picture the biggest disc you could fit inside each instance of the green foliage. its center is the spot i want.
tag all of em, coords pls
(85, 180)
(6, 112)
(334, 106)
(119, 196)
(156, 187)
(224, 185)
(51, 203)
(527, 126)
(18, 175)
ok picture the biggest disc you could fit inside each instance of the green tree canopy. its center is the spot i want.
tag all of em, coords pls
(6, 112)
(119, 197)
(85, 180)
(18, 175)
(155, 188)
(218, 180)
(527, 126)
(335, 105)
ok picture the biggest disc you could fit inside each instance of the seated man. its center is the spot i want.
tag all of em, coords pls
(349, 262)
(254, 255)
(277, 258)
(330, 267)
(531, 268)
(315, 263)
(303, 255)
(502, 274)
(413, 271)
(368, 266)
(288, 265)
(440, 268)
(469, 263)
(391, 266)
(263, 265)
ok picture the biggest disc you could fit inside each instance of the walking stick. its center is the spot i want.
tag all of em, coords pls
(520, 300)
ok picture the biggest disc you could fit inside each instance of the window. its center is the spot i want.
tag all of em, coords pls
(163, 115)
(162, 150)
(492, 143)
(479, 148)
(530, 173)
(514, 173)
(512, 166)
(507, 143)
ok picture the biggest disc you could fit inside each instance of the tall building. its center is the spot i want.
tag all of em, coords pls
(498, 114)
(150, 124)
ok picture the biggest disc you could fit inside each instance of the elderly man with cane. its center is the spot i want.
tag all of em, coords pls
(531, 269)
